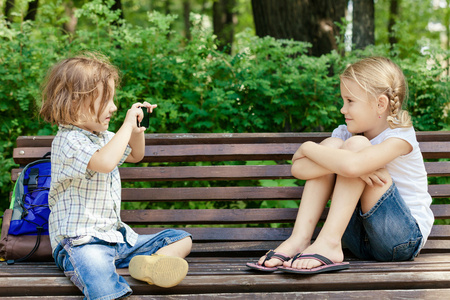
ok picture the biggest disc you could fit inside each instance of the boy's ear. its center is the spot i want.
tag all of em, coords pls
(382, 104)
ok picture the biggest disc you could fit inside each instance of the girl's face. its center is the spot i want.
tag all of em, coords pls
(92, 124)
(360, 111)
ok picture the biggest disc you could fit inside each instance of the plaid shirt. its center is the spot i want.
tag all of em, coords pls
(84, 202)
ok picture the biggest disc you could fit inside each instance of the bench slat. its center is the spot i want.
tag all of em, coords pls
(238, 138)
(341, 281)
(206, 173)
(209, 234)
(234, 193)
(211, 193)
(230, 216)
(235, 172)
(222, 152)
(208, 216)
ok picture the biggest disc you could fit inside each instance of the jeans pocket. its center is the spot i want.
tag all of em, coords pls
(406, 251)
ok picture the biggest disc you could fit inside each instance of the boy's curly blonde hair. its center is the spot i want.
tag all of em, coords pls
(72, 85)
(381, 76)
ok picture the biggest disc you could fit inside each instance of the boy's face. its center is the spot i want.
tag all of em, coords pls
(92, 124)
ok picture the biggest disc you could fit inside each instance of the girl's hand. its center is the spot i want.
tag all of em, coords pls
(376, 177)
(299, 153)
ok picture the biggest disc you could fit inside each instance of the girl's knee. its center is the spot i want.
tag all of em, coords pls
(332, 142)
(356, 143)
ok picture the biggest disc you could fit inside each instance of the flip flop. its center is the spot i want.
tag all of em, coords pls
(327, 265)
(269, 255)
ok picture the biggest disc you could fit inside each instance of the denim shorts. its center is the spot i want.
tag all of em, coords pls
(387, 232)
(92, 265)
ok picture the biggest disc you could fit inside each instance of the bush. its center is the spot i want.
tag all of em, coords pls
(267, 86)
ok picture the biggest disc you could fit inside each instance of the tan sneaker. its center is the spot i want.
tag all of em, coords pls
(160, 270)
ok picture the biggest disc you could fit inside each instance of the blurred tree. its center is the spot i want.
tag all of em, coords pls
(224, 20)
(32, 10)
(363, 33)
(118, 6)
(71, 23)
(393, 16)
(8, 7)
(186, 14)
(301, 20)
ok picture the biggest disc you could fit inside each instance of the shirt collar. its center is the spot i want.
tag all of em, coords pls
(71, 127)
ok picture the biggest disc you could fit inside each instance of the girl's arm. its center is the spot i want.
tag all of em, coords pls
(356, 164)
(305, 168)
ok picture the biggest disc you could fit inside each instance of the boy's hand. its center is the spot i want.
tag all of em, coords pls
(135, 113)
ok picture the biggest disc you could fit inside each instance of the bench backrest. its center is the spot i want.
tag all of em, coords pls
(234, 171)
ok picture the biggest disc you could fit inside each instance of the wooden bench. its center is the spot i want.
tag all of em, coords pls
(190, 168)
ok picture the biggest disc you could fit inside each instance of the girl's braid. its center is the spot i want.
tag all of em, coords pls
(394, 102)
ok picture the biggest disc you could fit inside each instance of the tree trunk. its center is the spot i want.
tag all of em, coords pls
(71, 24)
(167, 7)
(32, 10)
(310, 21)
(224, 21)
(8, 6)
(187, 23)
(393, 15)
(363, 23)
(118, 6)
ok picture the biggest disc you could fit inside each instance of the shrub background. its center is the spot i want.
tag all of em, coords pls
(268, 85)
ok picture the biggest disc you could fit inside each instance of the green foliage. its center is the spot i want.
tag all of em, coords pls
(268, 85)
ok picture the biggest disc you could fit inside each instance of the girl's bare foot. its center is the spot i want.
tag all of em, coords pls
(329, 248)
(287, 248)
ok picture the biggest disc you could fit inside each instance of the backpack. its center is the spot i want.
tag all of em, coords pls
(28, 215)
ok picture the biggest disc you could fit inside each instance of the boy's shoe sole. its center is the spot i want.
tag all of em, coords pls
(160, 270)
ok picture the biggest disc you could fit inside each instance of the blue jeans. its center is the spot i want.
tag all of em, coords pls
(92, 266)
(387, 232)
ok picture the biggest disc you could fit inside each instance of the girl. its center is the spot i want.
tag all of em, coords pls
(89, 240)
(372, 169)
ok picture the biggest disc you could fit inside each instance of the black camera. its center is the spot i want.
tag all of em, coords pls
(146, 120)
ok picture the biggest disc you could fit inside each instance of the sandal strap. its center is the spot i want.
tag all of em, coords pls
(272, 254)
(318, 257)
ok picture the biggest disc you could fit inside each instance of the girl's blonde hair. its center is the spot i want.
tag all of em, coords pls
(380, 76)
(72, 84)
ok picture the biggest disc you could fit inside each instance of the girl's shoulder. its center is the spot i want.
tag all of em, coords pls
(408, 134)
(341, 132)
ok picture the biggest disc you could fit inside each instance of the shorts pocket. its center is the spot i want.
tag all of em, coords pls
(406, 251)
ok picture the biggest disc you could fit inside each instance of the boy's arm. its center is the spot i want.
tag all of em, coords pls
(109, 156)
(137, 145)
(137, 140)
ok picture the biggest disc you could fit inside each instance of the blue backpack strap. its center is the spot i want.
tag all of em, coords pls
(36, 246)
(32, 180)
